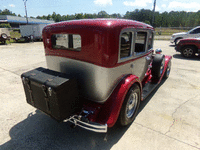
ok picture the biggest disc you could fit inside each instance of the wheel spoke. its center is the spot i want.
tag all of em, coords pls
(190, 52)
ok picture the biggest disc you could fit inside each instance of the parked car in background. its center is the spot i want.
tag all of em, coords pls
(188, 47)
(194, 33)
(4, 35)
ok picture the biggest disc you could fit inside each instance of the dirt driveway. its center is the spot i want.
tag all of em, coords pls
(168, 118)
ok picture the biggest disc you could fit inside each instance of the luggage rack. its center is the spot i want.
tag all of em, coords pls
(77, 120)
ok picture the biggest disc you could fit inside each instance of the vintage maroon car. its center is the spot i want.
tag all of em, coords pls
(188, 47)
(113, 63)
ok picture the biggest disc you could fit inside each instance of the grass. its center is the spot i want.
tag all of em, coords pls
(11, 41)
(14, 34)
(168, 31)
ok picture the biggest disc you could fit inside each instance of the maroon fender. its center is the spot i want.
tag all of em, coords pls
(167, 60)
(110, 111)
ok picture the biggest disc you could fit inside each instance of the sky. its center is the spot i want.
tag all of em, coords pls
(68, 7)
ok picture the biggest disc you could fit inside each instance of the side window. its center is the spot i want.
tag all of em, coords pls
(150, 41)
(125, 45)
(140, 42)
(196, 31)
(66, 41)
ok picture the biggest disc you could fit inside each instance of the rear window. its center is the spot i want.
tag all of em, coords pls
(125, 46)
(66, 41)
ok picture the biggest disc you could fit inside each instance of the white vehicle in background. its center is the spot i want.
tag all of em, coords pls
(193, 33)
(4, 35)
(32, 32)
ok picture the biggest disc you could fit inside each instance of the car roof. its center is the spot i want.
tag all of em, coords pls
(99, 38)
(104, 23)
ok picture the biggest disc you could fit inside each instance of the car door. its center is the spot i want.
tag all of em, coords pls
(135, 52)
(142, 52)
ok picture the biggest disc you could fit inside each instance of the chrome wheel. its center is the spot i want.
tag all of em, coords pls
(188, 52)
(4, 36)
(167, 72)
(132, 104)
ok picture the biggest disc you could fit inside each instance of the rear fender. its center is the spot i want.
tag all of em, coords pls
(111, 108)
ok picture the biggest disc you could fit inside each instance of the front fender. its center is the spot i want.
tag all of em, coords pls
(167, 60)
(111, 108)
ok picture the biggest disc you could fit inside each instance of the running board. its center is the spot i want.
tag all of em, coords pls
(148, 88)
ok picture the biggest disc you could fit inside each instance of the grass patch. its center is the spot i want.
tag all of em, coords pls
(11, 41)
(168, 31)
(14, 34)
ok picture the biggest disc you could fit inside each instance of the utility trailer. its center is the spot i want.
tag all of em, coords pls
(98, 72)
(32, 32)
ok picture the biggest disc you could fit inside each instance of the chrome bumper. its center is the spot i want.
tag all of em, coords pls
(92, 126)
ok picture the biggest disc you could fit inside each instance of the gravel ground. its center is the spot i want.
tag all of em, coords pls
(168, 118)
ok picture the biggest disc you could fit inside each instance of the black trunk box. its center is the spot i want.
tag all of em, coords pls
(51, 92)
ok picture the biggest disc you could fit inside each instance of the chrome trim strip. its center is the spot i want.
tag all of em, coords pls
(92, 126)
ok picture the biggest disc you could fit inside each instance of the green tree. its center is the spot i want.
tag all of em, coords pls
(58, 18)
(115, 15)
(165, 19)
(103, 14)
(49, 17)
(79, 16)
(147, 22)
(7, 12)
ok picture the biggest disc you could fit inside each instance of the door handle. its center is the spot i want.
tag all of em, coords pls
(132, 66)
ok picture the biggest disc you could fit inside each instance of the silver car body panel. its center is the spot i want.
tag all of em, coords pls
(96, 83)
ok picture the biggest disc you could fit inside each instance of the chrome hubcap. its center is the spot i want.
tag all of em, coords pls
(168, 68)
(132, 104)
(162, 66)
(4, 36)
(188, 52)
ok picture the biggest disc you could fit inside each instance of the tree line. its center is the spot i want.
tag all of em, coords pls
(164, 19)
